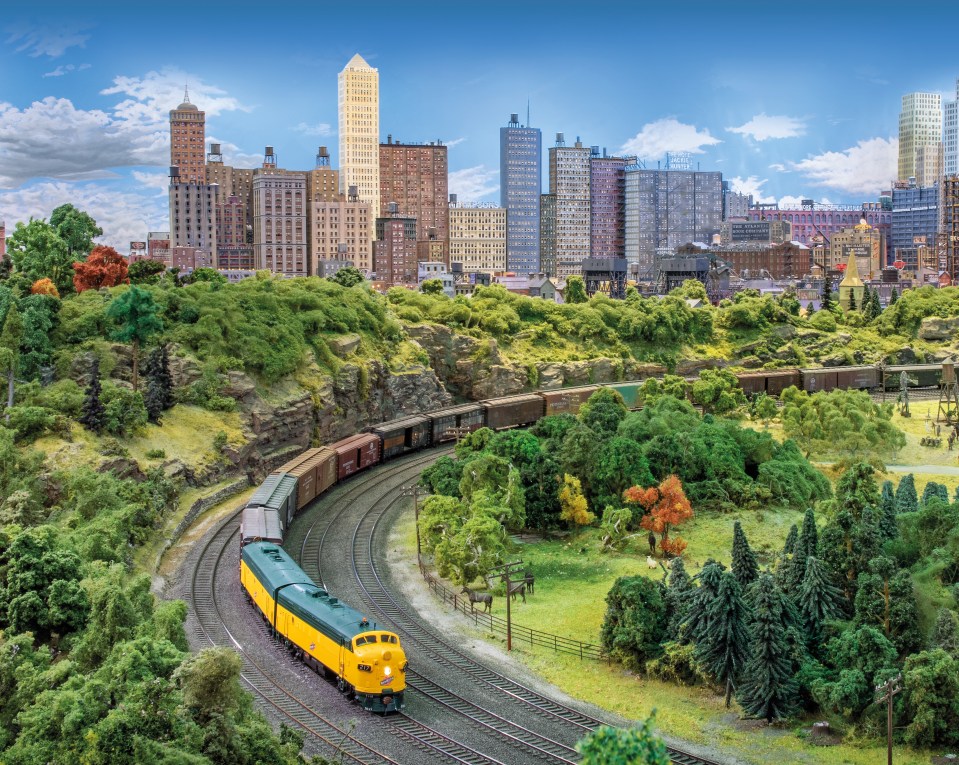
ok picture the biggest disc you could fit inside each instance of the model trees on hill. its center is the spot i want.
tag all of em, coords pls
(104, 267)
(722, 646)
(93, 417)
(744, 566)
(617, 746)
(136, 313)
(10, 338)
(666, 507)
(635, 621)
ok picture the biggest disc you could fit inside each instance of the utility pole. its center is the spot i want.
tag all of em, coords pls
(413, 490)
(503, 572)
(885, 692)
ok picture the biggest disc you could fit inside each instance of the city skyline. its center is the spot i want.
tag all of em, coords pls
(84, 116)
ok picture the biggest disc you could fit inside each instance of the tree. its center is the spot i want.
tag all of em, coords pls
(678, 594)
(893, 296)
(94, 413)
(907, 501)
(666, 507)
(792, 569)
(348, 277)
(10, 338)
(619, 465)
(104, 267)
(931, 698)
(763, 408)
(159, 393)
(717, 391)
(818, 599)
(768, 688)
(934, 489)
(888, 526)
(875, 307)
(575, 290)
(206, 276)
(623, 746)
(859, 660)
(635, 621)
(44, 287)
(789, 546)
(603, 412)
(826, 303)
(744, 566)
(145, 271)
(722, 648)
(945, 632)
(575, 509)
(432, 287)
(38, 252)
(541, 485)
(136, 313)
(615, 525)
(210, 681)
(76, 228)
(696, 623)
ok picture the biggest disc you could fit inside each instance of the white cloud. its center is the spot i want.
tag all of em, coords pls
(67, 69)
(473, 183)
(124, 216)
(455, 142)
(319, 129)
(657, 138)
(866, 168)
(159, 181)
(778, 167)
(47, 40)
(52, 138)
(789, 202)
(751, 185)
(234, 156)
(764, 126)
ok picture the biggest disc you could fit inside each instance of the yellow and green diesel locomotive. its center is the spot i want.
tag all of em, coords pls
(331, 637)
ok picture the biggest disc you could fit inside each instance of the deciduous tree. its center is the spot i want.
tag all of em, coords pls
(44, 287)
(145, 271)
(575, 290)
(575, 509)
(623, 746)
(666, 507)
(717, 391)
(10, 338)
(104, 267)
(38, 252)
(635, 620)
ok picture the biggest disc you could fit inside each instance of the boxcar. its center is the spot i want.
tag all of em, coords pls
(857, 378)
(752, 383)
(356, 453)
(920, 375)
(257, 524)
(770, 381)
(513, 411)
(629, 391)
(815, 380)
(315, 471)
(403, 435)
(567, 400)
(277, 492)
(453, 421)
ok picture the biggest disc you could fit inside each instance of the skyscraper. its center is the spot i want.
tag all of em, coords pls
(607, 209)
(950, 135)
(520, 173)
(668, 208)
(920, 138)
(359, 116)
(569, 175)
(188, 141)
(416, 177)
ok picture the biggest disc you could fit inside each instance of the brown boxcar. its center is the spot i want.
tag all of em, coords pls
(857, 378)
(403, 435)
(771, 381)
(513, 411)
(454, 421)
(815, 380)
(315, 470)
(752, 383)
(356, 453)
(567, 400)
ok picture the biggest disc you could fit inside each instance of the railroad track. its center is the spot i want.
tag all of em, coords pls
(380, 599)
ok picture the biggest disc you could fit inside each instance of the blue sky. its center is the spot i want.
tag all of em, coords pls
(787, 100)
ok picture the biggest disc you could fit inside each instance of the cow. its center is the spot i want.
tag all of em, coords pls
(529, 580)
(518, 588)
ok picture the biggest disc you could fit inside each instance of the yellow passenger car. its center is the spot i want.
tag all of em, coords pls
(367, 661)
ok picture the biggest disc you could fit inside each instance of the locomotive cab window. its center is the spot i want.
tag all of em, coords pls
(388, 639)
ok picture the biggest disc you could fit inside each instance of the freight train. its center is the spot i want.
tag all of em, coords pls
(338, 641)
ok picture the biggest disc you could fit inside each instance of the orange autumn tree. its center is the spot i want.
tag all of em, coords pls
(104, 267)
(44, 287)
(666, 506)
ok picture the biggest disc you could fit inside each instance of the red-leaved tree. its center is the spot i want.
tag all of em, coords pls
(44, 287)
(666, 506)
(104, 267)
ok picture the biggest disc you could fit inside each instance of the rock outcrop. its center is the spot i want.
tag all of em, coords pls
(936, 329)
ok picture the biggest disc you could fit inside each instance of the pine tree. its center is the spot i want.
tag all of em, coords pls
(955, 497)
(826, 301)
(888, 527)
(93, 415)
(866, 298)
(791, 572)
(678, 595)
(744, 566)
(876, 306)
(768, 688)
(907, 501)
(790, 545)
(696, 622)
(945, 632)
(819, 600)
(852, 301)
(894, 296)
(164, 376)
(723, 646)
(154, 400)
(931, 490)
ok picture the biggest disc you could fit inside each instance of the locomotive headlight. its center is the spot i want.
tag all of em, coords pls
(387, 670)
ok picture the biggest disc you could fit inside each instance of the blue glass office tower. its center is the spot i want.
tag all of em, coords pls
(520, 167)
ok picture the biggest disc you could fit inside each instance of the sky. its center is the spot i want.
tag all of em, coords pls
(787, 100)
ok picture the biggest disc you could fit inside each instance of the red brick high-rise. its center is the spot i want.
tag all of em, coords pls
(188, 141)
(416, 177)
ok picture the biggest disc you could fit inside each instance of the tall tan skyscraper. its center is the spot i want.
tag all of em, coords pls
(188, 141)
(359, 113)
(920, 138)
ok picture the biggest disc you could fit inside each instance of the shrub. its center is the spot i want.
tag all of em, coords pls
(156, 454)
(113, 448)
(125, 412)
(31, 422)
(678, 665)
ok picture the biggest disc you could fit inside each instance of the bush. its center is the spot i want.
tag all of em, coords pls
(205, 392)
(156, 454)
(113, 448)
(824, 321)
(31, 422)
(125, 412)
(678, 665)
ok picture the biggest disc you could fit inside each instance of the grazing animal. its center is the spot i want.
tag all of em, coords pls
(519, 588)
(650, 562)
(529, 580)
(479, 597)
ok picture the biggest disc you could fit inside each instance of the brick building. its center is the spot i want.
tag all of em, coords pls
(188, 141)
(394, 251)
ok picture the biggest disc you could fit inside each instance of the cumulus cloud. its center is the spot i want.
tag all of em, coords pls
(778, 167)
(764, 126)
(657, 138)
(52, 138)
(234, 156)
(751, 185)
(125, 216)
(66, 69)
(319, 129)
(865, 169)
(473, 183)
(52, 40)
